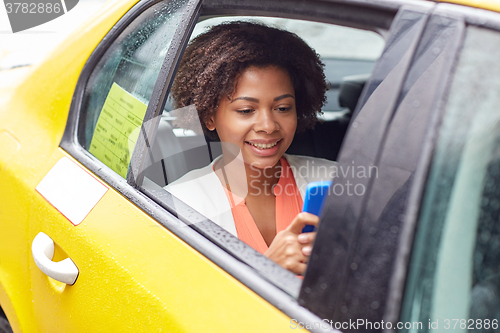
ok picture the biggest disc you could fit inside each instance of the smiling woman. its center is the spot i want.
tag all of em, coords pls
(253, 87)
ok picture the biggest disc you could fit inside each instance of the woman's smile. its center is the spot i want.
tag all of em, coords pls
(265, 149)
(263, 145)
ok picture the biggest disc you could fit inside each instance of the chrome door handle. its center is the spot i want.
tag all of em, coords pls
(42, 249)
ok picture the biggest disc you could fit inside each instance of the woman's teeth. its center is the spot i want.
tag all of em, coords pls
(264, 145)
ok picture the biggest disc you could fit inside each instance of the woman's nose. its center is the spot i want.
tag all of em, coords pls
(265, 122)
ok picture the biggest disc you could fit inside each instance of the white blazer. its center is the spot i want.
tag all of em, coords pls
(202, 190)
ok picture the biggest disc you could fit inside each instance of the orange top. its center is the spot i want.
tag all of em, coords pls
(288, 205)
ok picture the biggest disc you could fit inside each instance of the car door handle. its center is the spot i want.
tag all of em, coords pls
(64, 271)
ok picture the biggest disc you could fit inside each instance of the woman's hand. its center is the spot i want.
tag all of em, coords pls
(291, 248)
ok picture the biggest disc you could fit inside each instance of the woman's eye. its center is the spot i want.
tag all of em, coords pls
(284, 109)
(245, 111)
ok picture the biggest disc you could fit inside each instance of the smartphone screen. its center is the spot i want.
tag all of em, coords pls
(314, 200)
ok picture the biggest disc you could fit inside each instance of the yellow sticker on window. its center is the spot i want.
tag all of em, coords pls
(117, 129)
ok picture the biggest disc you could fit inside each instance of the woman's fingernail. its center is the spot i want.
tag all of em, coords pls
(303, 238)
(306, 250)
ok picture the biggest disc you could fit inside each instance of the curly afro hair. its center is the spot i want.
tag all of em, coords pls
(214, 60)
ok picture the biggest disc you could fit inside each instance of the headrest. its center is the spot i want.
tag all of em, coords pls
(350, 90)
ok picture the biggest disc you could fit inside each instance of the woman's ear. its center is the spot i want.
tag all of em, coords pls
(210, 123)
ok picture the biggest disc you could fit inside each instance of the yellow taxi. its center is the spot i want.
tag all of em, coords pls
(409, 239)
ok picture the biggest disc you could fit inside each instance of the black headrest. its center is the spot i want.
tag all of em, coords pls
(350, 90)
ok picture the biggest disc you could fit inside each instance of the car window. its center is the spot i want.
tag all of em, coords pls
(121, 84)
(180, 150)
(454, 277)
(349, 55)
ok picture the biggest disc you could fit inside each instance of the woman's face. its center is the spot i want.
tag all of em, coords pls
(259, 117)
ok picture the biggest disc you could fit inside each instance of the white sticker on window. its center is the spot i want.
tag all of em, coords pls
(71, 190)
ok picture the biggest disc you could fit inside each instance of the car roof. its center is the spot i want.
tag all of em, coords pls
(493, 5)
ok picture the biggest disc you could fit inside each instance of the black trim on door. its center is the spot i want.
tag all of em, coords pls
(324, 287)
(361, 14)
(384, 214)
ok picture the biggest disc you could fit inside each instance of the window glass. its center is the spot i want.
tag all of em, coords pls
(119, 88)
(454, 273)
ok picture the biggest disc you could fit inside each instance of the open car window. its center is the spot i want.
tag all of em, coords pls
(349, 55)
(345, 51)
(181, 157)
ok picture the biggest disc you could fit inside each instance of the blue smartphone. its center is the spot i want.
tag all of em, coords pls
(314, 200)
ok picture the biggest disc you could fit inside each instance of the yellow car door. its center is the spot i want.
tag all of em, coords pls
(91, 242)
(97, 262)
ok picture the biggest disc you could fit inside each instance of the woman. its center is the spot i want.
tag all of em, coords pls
(253, 87)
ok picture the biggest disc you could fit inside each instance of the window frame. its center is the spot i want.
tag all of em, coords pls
(468, 16)
(325, 287)
(378, 13)
(396, 212)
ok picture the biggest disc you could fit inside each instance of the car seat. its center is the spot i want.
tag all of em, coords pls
(325, 139)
